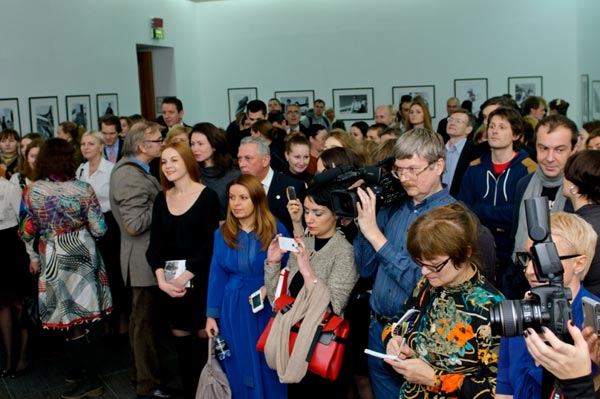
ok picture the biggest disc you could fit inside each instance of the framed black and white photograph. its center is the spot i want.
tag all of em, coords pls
(79, 111)
(239, 99)
(474, 90)
(427, 93)
(595, 99)
(107, 104)
(521, 87)
(159, 101)
(302, 98)
(10, 117)
(353, 104)
(43, 114)
(585, 98)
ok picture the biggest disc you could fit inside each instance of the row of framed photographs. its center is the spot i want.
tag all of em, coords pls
(44, 116)
(357, 103)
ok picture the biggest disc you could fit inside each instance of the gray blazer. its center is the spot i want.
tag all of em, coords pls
(132, 194)
(333, 264)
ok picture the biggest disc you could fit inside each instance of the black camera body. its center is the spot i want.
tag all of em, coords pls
(551, 305)
(388, 189)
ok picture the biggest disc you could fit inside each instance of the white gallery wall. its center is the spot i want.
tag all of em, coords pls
(68, 47)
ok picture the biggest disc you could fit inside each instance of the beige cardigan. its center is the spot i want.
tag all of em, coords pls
(333, 264)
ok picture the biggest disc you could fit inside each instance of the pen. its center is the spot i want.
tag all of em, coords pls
(401, 345)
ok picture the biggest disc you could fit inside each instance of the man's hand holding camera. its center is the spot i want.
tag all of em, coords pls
(367, 218)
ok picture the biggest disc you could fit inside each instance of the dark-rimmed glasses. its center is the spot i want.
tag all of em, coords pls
(432, 268)
(160, 140)
(523, 258)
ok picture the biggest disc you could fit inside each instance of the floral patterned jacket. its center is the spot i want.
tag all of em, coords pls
(453, 335)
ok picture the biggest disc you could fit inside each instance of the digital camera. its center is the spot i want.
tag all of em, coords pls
(388, 189)
(551, 304)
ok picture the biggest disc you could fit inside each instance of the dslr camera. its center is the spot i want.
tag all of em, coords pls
(388, 189)
(551, 304)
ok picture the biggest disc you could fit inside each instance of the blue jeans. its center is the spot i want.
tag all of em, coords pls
(384, 384)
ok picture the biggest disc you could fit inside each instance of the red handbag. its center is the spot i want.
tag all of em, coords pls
(327, 348)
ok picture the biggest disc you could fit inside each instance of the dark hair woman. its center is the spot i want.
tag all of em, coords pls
(582, 187)
(66, 215)
(9, 148)
(70, 131)
(326, 259)
(237, 271)
(217, 167)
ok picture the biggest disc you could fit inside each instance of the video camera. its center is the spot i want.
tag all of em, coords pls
(388, 189)
(551, 307)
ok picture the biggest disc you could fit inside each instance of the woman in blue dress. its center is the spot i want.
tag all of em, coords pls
(236, 271)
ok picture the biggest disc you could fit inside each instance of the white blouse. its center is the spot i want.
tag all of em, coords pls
(100, 180)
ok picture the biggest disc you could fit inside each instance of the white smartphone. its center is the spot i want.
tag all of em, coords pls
(256, 302)
(288, 244)
(591, 314)
(382, 355)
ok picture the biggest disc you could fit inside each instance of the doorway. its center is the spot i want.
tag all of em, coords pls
(156, 74)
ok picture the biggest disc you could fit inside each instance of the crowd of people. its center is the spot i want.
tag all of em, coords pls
(144, 224)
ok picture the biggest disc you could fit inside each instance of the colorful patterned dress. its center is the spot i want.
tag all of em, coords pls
(453, 335)
(73, 287)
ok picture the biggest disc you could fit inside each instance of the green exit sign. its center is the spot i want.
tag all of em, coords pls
(158, 33)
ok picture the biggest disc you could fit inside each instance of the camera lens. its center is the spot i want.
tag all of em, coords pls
(343, 202)
(511, 318)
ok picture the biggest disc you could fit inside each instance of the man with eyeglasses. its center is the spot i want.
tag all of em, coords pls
(488, 189)
(452, 105)
(460, 151)
(380, 247)
(292, 116)
(132, 193)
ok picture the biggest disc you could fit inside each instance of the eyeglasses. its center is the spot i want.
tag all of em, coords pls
(408, 172)
(451, 119)
(160, 140)
(523, 258)
(432, 268)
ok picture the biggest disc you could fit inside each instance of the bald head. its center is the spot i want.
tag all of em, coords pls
(384, 114)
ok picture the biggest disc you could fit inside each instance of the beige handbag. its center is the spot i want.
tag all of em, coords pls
(213, 383)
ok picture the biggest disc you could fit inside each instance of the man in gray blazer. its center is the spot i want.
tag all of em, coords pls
(132, 193)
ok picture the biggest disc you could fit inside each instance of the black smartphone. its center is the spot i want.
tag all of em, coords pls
(291, 192)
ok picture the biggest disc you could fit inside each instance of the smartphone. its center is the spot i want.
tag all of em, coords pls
(288, 244)
(256, 302)
(591, 314)
(291, 192)
(382, 355)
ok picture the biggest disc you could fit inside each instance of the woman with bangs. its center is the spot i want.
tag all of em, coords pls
(184, 219)
(9, 152)
(458, 360)
(324, 262)
(236, 271)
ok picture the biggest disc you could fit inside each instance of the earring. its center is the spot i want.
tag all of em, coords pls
(573, 191)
